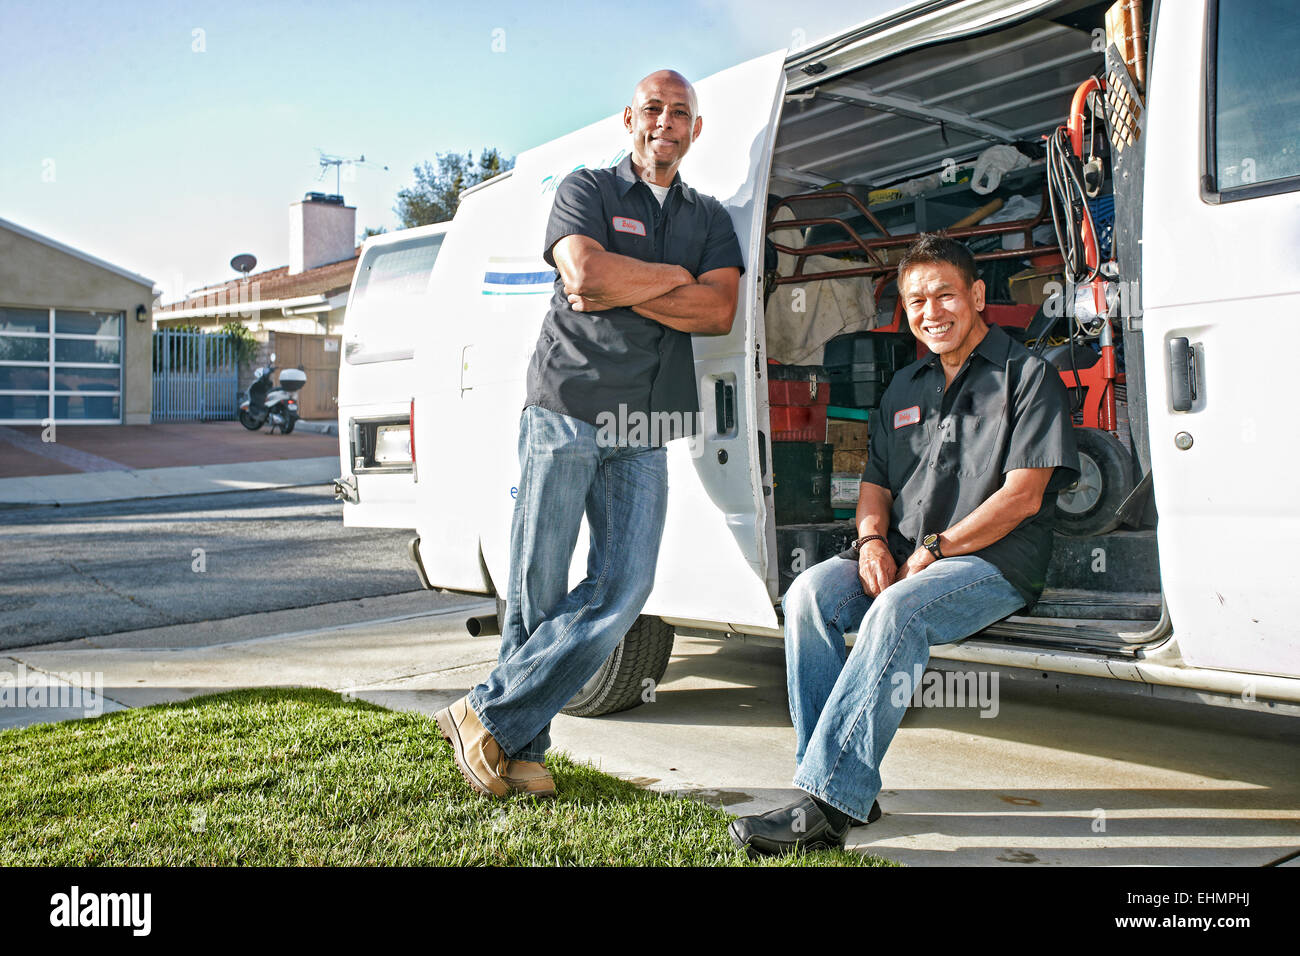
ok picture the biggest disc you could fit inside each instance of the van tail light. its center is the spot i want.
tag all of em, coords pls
(412, 423)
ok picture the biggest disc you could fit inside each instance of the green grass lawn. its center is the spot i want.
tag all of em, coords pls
(305, 777)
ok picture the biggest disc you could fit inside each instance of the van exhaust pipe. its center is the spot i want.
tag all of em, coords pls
(483, 625)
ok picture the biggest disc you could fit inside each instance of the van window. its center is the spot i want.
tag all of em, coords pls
(1255, 97)
(390, 294)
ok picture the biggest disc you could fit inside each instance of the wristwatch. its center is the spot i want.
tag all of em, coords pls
(931, 543)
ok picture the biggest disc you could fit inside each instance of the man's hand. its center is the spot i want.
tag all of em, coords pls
(580, 303)
(918, 562)
(876, 567)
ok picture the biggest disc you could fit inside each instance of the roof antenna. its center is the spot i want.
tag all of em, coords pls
(338, 162)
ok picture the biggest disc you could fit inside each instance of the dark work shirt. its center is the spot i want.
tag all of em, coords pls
(942, 454)
(588, 364)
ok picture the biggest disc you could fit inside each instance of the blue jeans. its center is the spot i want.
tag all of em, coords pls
(553, 639)
(846, 706)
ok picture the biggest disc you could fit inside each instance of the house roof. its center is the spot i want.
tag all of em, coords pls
(271, 286)
(76, 253)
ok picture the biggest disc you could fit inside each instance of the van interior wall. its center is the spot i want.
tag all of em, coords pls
(905, 138)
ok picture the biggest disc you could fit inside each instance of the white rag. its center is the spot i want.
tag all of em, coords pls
(830, 307)
(993, 162)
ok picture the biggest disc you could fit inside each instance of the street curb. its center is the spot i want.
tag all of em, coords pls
(319, 428)
(25, 505)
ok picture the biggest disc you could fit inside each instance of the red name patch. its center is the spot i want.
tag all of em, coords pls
(908, 416)
(624, 224)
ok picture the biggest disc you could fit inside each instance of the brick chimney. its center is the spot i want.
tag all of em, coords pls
(321, 230)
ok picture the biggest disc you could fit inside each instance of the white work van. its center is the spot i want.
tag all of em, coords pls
(1178, 578)
(390, 296)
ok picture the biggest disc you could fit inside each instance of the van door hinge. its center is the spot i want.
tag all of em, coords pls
(464, 367)
(345, 489)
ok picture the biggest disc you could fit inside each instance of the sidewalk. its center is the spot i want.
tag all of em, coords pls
(93, 463)
(1170, 784)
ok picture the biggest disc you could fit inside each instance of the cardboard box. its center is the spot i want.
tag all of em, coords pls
(844, 490)
(847, 435)
(851, 461)
(1032, 288)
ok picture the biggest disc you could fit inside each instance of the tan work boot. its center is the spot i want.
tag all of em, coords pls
(478, 756)
(529, 776)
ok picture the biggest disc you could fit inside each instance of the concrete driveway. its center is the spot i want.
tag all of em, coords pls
(1055, 778)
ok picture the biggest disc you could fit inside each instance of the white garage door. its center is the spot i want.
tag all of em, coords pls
(63, 365)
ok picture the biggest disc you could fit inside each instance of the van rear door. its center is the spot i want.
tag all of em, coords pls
(389, 298)
(1220, 298)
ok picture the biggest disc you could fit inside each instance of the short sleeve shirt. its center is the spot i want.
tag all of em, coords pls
(942, 454)
(616, 362)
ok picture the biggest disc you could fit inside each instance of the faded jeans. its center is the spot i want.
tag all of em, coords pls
(552, 639)
(846, 705)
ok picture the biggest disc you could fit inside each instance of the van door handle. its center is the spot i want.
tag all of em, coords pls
(1182, 374)
(724, 402)
(464, 367)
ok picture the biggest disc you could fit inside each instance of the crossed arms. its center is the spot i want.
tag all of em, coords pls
(1020, 497)
(668, 294)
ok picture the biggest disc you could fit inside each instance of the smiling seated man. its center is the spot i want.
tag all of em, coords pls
(954, 519)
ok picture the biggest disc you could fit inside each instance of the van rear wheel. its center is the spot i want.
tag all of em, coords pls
(1088, 506)
(629, 676)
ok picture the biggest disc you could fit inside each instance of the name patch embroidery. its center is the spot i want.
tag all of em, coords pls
(908, 416)
(623, 224)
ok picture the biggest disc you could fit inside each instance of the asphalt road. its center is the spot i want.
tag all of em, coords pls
(98, 569)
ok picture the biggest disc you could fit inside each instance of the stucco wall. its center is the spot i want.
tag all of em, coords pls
(33, 274)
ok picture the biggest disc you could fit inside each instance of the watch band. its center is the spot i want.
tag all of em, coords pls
(857, 545)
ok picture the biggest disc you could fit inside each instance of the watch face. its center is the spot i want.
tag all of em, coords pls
(930, 540)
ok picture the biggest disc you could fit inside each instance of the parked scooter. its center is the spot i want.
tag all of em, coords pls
(267, 402)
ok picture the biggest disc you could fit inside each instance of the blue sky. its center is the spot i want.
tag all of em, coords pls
(167, 137)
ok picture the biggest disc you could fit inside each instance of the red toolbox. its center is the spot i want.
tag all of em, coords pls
(798, 396)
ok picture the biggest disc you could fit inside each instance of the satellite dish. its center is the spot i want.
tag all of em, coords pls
(243, 263)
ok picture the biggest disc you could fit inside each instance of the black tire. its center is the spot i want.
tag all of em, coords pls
(635, 667)
(249, 420)
(287, 427)
(1106, 478)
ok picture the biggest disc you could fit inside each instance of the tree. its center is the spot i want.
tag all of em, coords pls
(437, 189)
(370, 231)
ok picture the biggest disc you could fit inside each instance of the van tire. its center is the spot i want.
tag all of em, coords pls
(1106, 478)
(619, 685)
(621, 682)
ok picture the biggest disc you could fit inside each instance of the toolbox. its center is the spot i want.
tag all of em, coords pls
(801, 480)
(797, 398)
(861, 365)
(799, 547)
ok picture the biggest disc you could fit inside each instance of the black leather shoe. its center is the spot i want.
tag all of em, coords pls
(798, 826)
(872, 815)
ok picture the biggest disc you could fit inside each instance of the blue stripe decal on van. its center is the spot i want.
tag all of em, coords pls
(519, 278)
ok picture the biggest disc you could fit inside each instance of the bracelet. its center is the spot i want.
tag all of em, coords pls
(857, 545)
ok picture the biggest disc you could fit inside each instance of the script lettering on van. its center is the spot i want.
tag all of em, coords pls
(635, 428)
(552, 182)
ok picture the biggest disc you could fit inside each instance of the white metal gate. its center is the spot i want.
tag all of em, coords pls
(195, 376)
